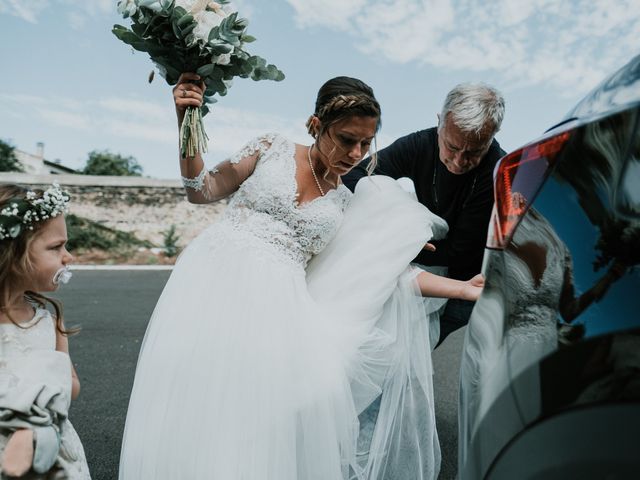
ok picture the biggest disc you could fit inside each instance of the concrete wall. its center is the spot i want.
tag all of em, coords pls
(144, 206)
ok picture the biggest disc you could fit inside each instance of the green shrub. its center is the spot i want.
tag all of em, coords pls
(85, 234)
(171, 242)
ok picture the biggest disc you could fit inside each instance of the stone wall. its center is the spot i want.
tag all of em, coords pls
(142, 206)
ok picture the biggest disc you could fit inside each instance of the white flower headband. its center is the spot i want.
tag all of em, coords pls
(21, 213)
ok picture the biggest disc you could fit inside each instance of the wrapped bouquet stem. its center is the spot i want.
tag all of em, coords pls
(193, 138)
(200, 36)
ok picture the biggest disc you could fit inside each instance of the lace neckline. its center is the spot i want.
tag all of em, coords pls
(291, 155)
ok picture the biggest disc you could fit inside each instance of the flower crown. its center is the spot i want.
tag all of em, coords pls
(21, 213)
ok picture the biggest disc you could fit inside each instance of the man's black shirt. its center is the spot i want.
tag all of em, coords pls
(464, 201)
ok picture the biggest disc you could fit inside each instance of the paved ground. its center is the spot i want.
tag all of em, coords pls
(113, 308)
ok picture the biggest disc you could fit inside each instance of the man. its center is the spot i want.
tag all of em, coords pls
(451, 166)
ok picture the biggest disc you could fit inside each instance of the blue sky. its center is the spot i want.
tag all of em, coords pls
(68, 82)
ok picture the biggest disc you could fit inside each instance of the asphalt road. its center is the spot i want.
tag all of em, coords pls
(113, 308)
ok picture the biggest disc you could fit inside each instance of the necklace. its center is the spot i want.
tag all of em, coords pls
(313, 172)
(434, 191)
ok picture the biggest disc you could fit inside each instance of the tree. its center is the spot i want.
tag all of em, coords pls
(107, 163)
(8, 160)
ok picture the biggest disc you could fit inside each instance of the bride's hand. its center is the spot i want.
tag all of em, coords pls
(188, 92)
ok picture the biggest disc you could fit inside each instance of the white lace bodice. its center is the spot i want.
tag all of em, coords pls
(265, 206)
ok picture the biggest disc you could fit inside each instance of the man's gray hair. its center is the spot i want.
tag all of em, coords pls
(473, 108)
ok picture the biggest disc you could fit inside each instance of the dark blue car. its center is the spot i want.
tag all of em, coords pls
(550, 374)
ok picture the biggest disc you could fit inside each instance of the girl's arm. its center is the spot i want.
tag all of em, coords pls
(202, 185)
(62, 345)
(432, 285)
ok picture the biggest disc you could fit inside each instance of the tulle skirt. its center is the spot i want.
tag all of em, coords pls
(255, 369)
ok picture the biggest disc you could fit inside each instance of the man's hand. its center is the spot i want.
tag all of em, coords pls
(429, 247)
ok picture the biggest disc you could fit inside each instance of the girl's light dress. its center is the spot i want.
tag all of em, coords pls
(29, 362)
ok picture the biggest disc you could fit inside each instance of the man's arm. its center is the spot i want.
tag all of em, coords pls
(394, 161)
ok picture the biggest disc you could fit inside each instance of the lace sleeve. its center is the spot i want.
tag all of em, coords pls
(226, 177)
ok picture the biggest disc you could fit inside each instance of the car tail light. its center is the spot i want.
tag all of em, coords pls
(518, 179)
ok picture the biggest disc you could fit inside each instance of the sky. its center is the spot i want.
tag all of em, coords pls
(68, 82)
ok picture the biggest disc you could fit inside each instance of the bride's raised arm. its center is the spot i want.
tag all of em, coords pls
(203, 185)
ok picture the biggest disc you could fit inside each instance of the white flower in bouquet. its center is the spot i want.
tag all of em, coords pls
(153, 5)
(224, 59)
(199, 36)
(206, 20)
(127, 8)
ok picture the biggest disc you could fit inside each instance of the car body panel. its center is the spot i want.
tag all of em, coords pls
(555, 335)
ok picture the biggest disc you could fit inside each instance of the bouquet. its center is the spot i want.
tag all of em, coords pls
(199, 36)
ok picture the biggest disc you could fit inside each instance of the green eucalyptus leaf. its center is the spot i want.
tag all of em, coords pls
(177, 13)
(217, 73)
(257, 62)
(185, 32)
(219, 48)
(213, 34)
(218, 86)
(229, 20)
(230, 38)
(176, 30)
(138, 29)
(247, 39)
(206, 70)
(185, 20)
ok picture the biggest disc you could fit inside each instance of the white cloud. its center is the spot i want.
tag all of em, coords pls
(30, 10)
(335, 13)
(27, 10)
(133, 107)
(146, 121)
(567, 45)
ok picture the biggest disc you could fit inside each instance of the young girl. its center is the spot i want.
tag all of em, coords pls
(37, 378)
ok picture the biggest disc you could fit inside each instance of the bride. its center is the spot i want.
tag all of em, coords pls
(286, 319)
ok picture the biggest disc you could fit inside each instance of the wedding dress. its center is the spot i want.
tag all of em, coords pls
(278, 326)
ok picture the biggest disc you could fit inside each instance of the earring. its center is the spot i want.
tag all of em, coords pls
(311, 128)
